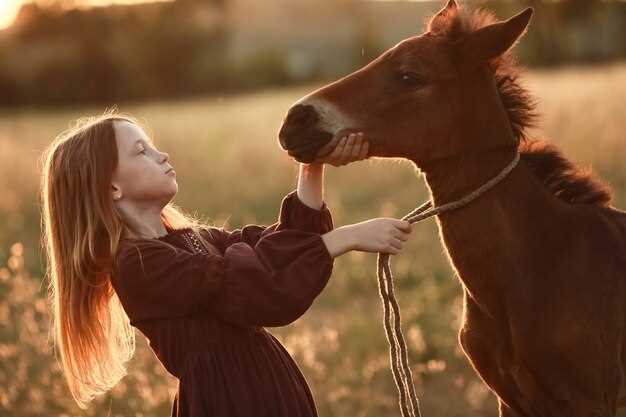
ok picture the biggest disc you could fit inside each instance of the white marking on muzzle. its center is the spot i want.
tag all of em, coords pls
(331, 119)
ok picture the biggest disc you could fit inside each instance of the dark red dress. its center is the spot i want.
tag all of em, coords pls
(204, 315)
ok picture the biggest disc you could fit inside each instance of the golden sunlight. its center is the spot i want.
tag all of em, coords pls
(9, 8)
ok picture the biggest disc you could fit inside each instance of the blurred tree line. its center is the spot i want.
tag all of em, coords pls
(570, 31)
(52, 55)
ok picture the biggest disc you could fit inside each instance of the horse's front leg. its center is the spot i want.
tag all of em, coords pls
(487, 350)
(505, 411)
(486, 358)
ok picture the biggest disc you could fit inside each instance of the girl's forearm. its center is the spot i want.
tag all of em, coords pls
(339, 240)
(311, 185)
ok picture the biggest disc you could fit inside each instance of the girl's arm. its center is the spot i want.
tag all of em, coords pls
(375, 235)
(311, 184)
(311, 192)
(339, 151)
(270, 284)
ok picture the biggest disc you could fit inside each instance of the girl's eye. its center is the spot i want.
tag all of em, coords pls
(142, 151)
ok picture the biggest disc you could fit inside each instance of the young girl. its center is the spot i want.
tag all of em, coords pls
(122, 255)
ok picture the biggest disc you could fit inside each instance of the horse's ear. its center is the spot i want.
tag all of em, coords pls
(440, 21)
(493, 40)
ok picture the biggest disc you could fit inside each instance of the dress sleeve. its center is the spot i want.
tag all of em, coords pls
(269, 284)
(154, 280)
(276, 281)
(294, 214)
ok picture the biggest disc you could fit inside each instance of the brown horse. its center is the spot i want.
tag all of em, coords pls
(541, 256)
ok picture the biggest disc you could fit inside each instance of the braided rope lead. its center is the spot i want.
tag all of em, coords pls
(399, 379)
(400, 365)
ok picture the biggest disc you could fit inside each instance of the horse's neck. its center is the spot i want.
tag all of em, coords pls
(487, 239)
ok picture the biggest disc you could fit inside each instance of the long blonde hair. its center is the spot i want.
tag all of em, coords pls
(81, 231)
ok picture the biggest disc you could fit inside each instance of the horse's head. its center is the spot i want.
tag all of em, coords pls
(428, 97)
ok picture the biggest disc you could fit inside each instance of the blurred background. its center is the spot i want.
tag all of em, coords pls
(213, 80)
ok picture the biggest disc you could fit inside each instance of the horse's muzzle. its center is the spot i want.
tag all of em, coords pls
(300, 134)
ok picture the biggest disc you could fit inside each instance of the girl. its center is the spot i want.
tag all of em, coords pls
(122, 255)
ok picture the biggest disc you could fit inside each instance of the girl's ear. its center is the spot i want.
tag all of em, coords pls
(493, 40)
(116, 193)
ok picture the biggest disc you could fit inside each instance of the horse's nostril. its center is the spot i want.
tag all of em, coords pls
(301, 115)
(300, 119)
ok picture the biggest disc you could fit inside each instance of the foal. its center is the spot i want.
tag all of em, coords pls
(541, 256)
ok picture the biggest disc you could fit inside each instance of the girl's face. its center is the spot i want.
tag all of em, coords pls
(140, 177)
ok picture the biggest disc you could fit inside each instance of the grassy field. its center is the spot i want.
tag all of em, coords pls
(231, 171)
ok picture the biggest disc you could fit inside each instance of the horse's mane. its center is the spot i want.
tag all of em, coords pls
(565, 179)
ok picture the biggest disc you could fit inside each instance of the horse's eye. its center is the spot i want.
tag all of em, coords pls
(412, 78)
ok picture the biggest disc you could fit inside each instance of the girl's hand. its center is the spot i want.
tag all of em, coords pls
(383, 234)
(342, 151)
